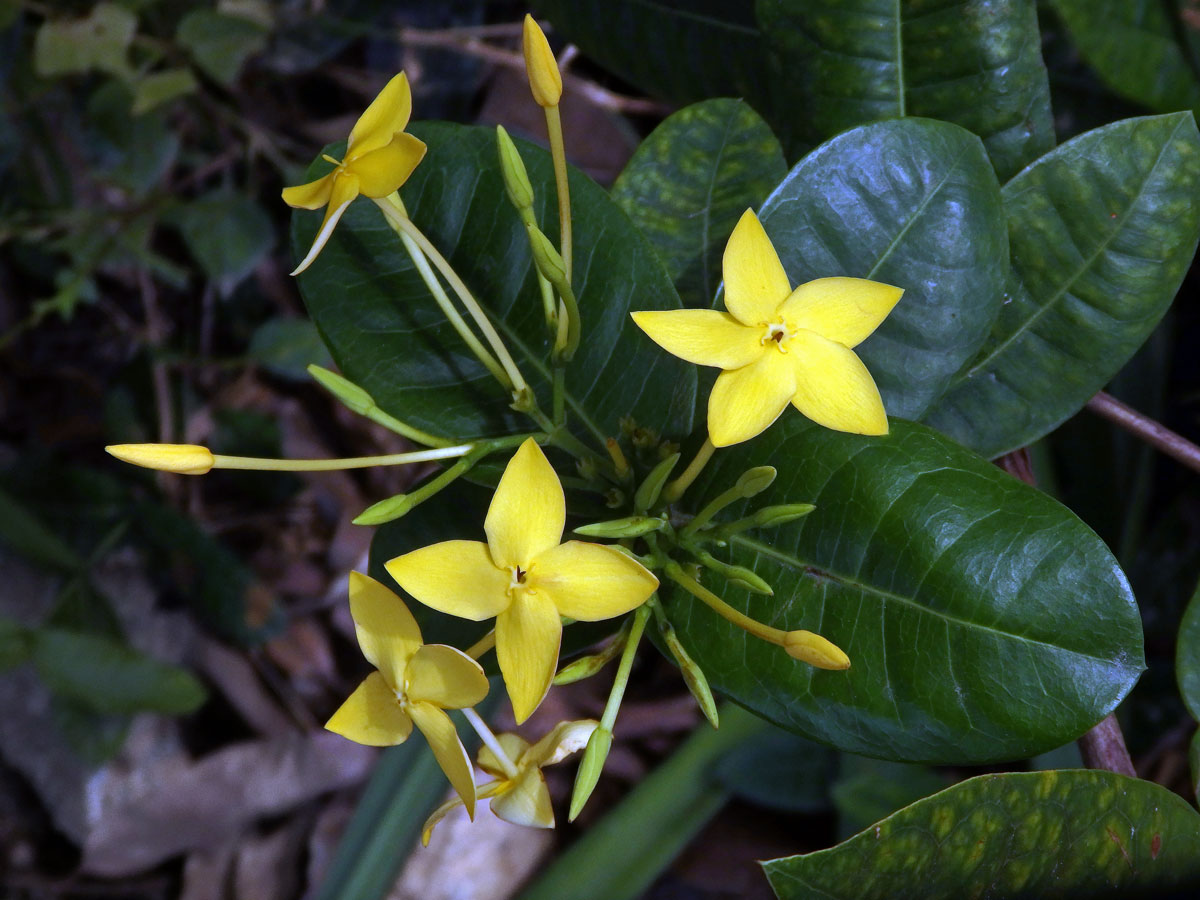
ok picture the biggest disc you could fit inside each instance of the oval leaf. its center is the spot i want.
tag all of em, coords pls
(977, 63)
(983, 620)
(690, 181)
(1073, 833)
(386, 333)
(913, 203)
(1187, 656)
(1102, 231)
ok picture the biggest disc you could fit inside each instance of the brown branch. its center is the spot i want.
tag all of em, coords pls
(1153, 433)
(1104, 748)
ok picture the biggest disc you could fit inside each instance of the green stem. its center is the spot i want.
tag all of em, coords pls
(675, 489)
(771, 635)
(609, 719)
(411, 432)
(559, 155)
(560, 396)
(329, 465)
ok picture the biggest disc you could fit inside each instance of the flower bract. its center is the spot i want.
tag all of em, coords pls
(519, 794)
(379, 158)
(525, 577)
(777, 345)
(414, 683)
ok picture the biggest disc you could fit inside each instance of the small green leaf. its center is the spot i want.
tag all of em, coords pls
(161, 87)
(109, 677)
(913, 203)
(99, 41)
(691, 180)
(1102, 231)
(977, 63)
(228, 233)
(1071, 833)
(982, 619)
(287, 347)
(220, 44)
(1187, 656)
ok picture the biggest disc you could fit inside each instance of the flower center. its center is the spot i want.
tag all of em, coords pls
(519, 576)
(776, 333)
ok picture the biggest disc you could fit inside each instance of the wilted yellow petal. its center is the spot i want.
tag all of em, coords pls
(705, 337)
(382, 171)
(834, 388)
(566, 738)
(345, 189)
(528, 634)
(513, 745)
(845, 310)
(436, 816)
(545, 80)
(313, 195)
(528, 510)
(526, 802)
(447, 750)
(445, 677)
(387, 632)
(454, 577)
(590, 581)
(815, 650)
(746, 401)
(387, 114)
(755, 282)
(183, 459)
(371, 715)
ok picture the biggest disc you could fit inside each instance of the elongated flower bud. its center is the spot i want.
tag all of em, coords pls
(184, 459)
(772, 516)
(650, 489)
(632, 526)
(547, 259)
(815, 650)
(756, 480)
(350, 394)
(545, 81)
(590, 768)
(512, 167)
(385, 510)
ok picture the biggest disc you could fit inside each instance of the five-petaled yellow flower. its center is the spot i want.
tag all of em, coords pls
(415, 683)
(777, 345)
(524, 577)
(519, 793)
(379, 158)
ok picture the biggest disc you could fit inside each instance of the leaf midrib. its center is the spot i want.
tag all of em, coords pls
(798, 564)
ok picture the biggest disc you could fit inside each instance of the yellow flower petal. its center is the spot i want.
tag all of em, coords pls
(815, 650)
(183, 459)
(436, 816)
(528, 634)
(528, 510)
(845, 310)
(746, 401)
(447, 749)
(590, 581)
(834, 388)
(566, 738)
(313, 195)
(705, 337)
(514, 747)
(526, 802)
(387, 632)
(445, 677)
(371, 715)
(382, 171)
(755, 282)
(454, 577)
(345, 189)
(545, 80)
(387, 114)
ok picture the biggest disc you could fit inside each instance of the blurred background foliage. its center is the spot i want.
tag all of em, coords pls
(144, 296)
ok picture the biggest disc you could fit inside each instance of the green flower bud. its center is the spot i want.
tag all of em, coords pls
(650, 489)
(631, 526)
(756, 480)
(739, 575)
(547, 259)
(693, 675)
(590, 768)
(771, 516)
(350, 394)
(385, 510)
(516, 179)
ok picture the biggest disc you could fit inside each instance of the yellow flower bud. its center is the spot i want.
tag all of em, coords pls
(815, 650)
(186, 459)
(544, 78)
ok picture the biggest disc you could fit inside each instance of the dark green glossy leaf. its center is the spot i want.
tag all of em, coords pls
(690, 181)
(1133, 47)
(1187, 656)
(109, 677)
(1073, 833)
(1102, 231)
(983, 620)
(977, 63)
(914, 203)
(388, 336)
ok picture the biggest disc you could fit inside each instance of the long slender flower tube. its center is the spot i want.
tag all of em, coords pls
(525, 577)
(380, 157)
(519, 793)
(776, 345)
(414, 683)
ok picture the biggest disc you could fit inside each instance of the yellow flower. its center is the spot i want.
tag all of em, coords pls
(777, 345)
(379, 158)
(524, 577)
(545, 80)
(414, 683)
(519, 794)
